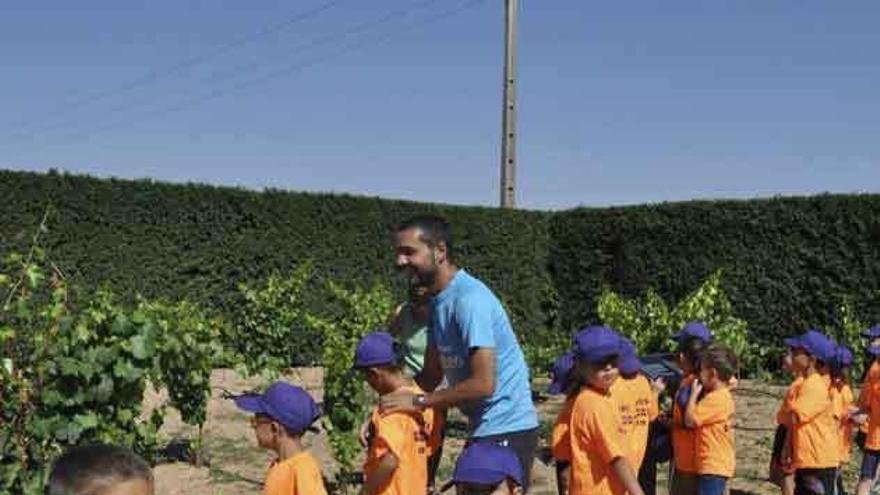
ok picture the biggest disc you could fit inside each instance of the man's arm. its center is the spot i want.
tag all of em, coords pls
(432, 373)
(380, 477)
(479, 385)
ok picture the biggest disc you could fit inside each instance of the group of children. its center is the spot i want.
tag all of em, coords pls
(602, 432)
(399, 445)
(599, 441)
(819, 414)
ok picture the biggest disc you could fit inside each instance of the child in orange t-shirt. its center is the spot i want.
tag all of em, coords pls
(842, 397)
(781, 470)
(710, 412)
(281, 416)
(398, 442)
(560, 446)
(815, 431)
(599, 464)
(692, 339)
(868, 416)
(486, 467)
(638, 402)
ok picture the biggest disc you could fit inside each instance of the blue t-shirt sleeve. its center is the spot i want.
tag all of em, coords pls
(475, 316)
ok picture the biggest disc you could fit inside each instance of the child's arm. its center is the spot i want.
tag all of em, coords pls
(690, 419)
(627, 477)
(382, 474)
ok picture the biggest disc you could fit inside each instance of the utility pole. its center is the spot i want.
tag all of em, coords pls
(508, 115)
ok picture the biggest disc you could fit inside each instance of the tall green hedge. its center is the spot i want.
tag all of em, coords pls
(199, 242)
(787, 262)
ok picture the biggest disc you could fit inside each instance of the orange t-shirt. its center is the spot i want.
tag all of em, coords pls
(869, 400)
(596, 437)
(638, 407)
(816, 435)
(560, 444)
(716, 452)
(842, 397)
(783, 416)
(298, 475)
(407, 436)
(684, 439)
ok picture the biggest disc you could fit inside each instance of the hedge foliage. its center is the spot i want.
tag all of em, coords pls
(788, 263)
(200, 243)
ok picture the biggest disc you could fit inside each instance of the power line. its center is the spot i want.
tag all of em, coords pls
(232, 73)
(183, 65)
(283, 72)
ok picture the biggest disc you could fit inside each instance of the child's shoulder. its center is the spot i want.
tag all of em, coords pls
(283, 474)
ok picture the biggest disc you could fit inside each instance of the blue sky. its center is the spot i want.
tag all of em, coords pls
(620, 102)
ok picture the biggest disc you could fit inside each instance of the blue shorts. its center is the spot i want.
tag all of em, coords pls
(711, 485)
(870, 460)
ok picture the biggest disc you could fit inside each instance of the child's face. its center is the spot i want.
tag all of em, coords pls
(709, 378)
(265, 430)
(800, 359)
(601, 376)
(503, 488)
(787, 364)
(130, 487)
(684, 363)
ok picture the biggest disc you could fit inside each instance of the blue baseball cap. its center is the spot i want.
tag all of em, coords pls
(287, 404)
(376, 349)
(872, 333)
(629, 360)
(694, 330)
(596, 343)
(487, 463)
(561, 373)
(816, 343)
(843, 357)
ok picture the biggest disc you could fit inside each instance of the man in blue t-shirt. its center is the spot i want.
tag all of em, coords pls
(470, 342)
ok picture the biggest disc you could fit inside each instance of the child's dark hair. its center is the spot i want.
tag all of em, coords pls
(692, 348)
(91, 469)
(721, 358)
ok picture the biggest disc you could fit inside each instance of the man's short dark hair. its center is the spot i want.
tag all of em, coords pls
(92, 468)
(434, 228)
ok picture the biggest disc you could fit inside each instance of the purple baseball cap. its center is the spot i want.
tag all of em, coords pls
(629, 363)
(287, 404)
(843, 357)
(596, 343)
(561, 373)
(376, 349)
(694, 330)
(487, 463)
(816, 343)
(872, 333)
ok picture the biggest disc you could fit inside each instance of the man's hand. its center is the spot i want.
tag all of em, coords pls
(400, 401)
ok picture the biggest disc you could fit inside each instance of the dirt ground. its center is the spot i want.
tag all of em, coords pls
(235, 466)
